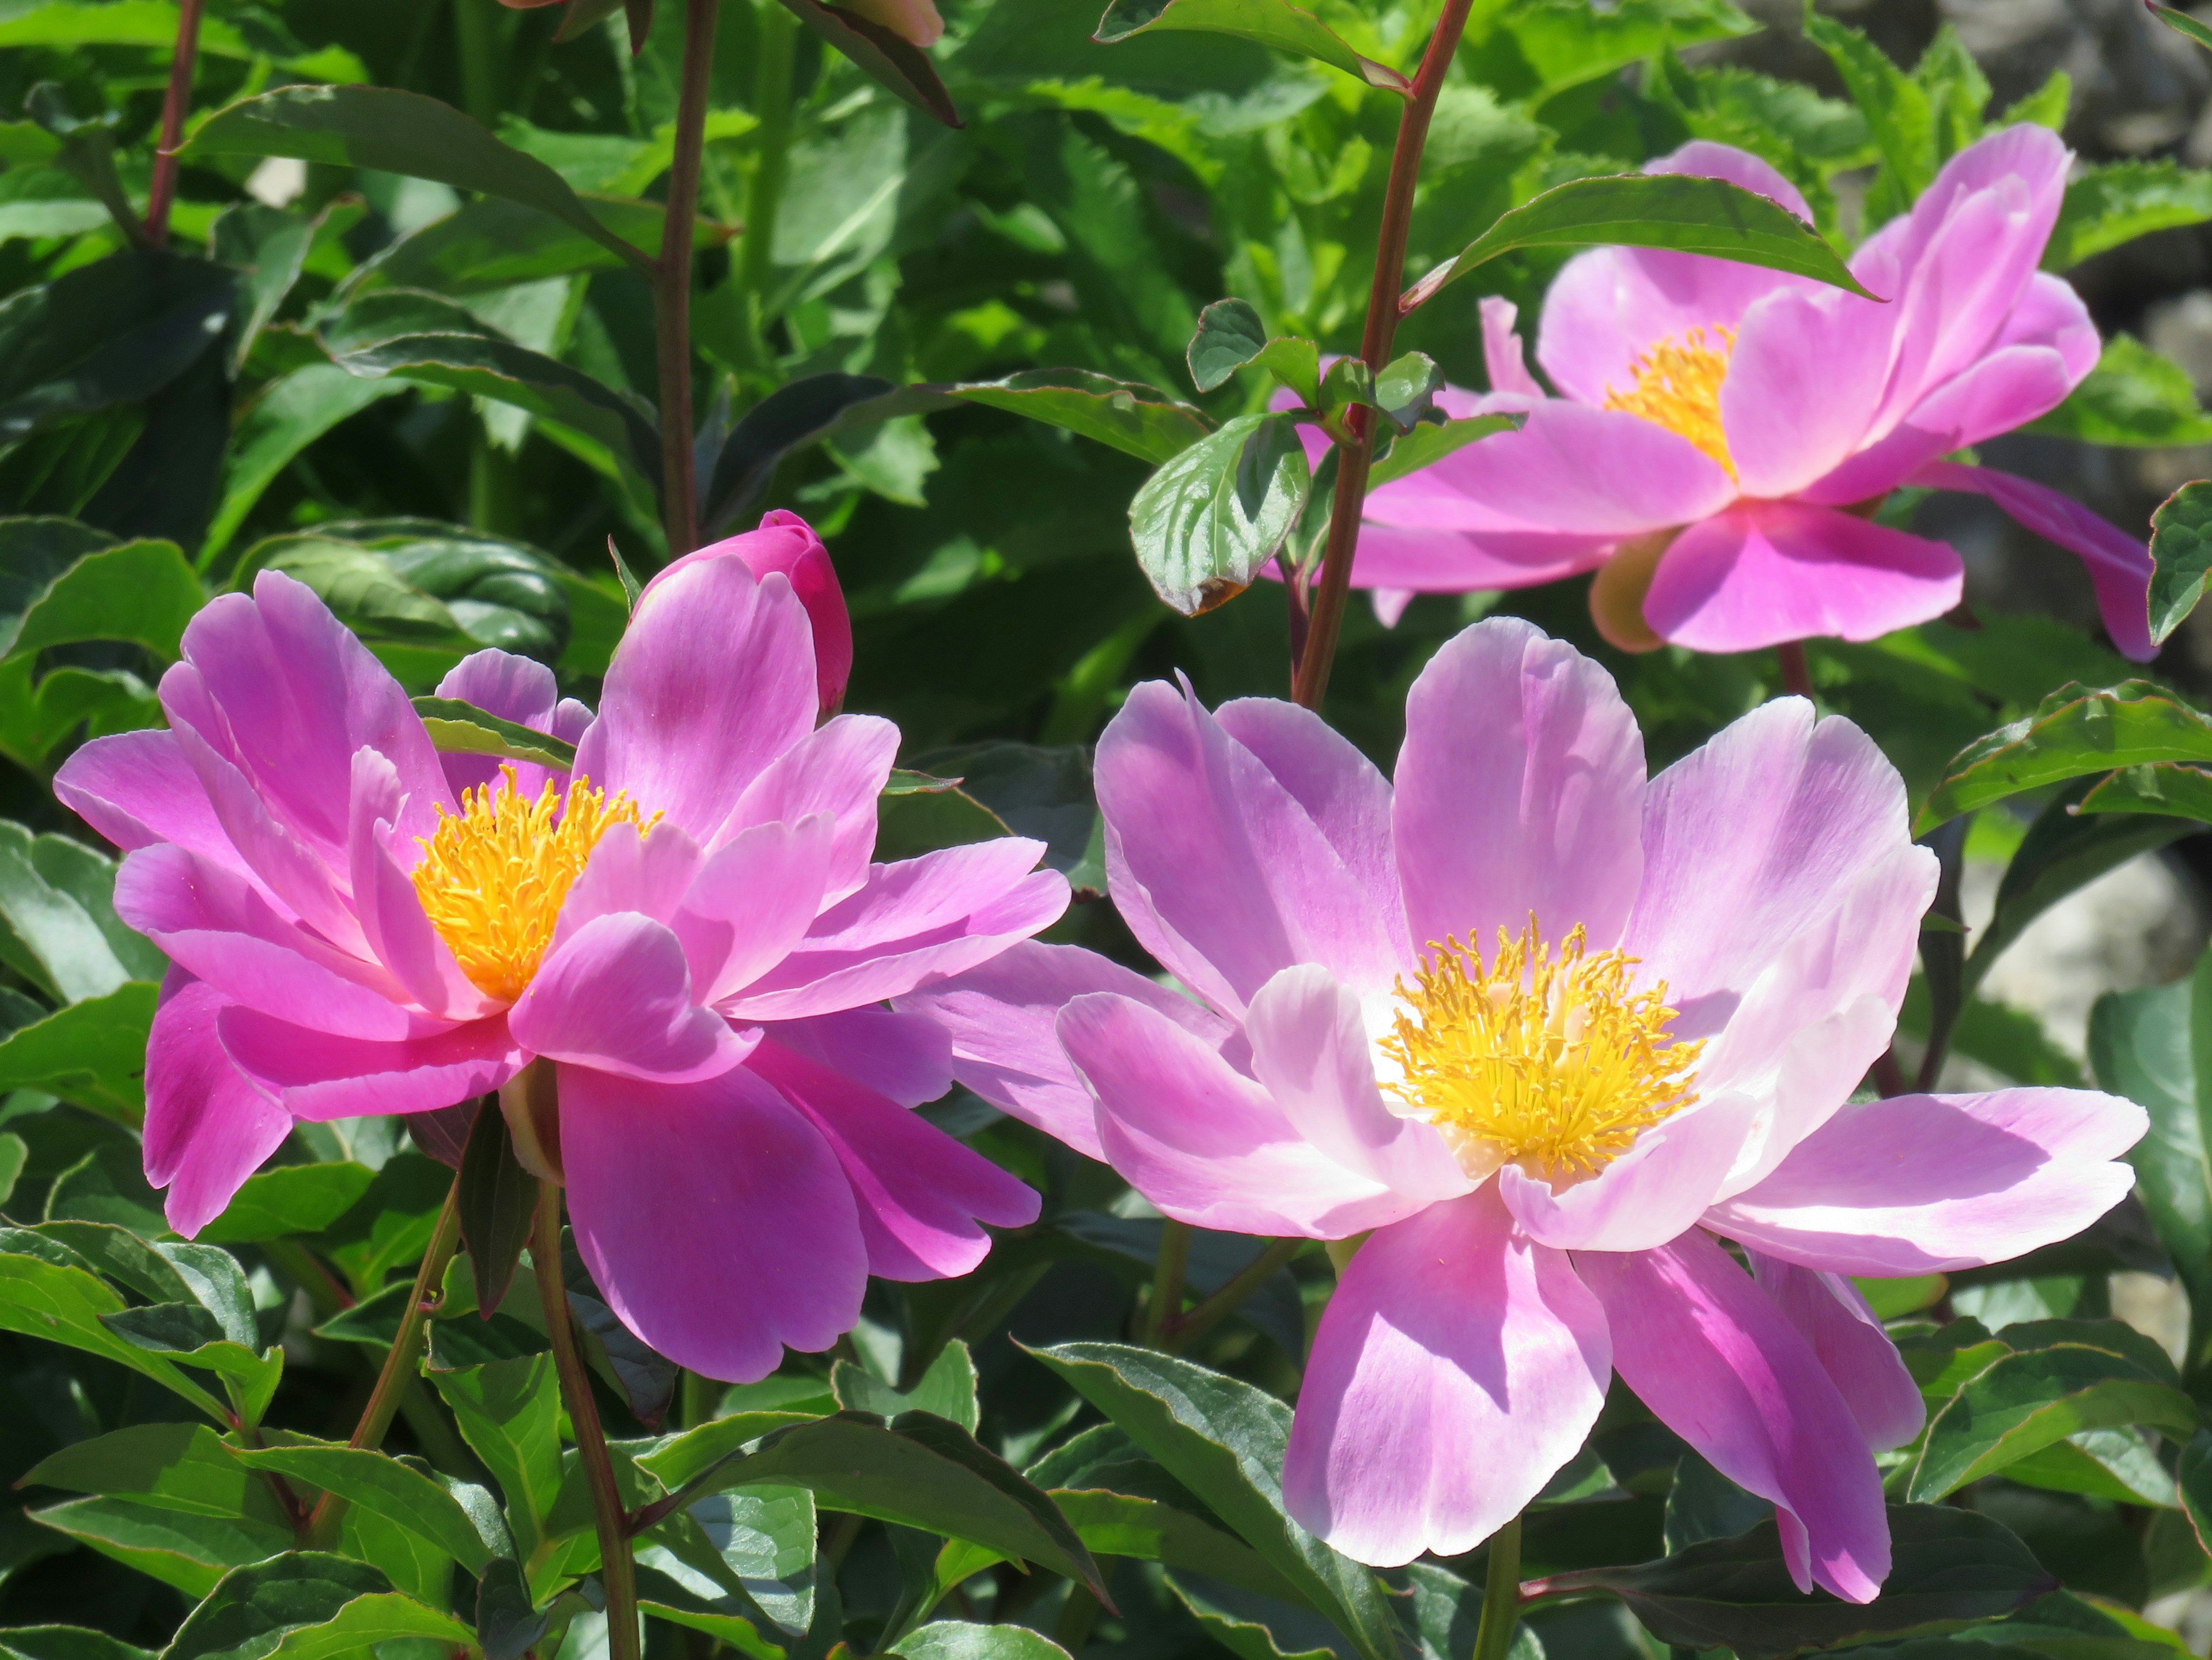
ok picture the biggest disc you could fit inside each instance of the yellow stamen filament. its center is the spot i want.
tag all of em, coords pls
(1678, 386)
(1553, 1063)
(493, 876)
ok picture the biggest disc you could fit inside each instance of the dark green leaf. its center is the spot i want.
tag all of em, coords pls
(497, 1196)
(803, 411)
(2164, 786)
(1897, 107)
(1257, 1627)
(305, 1606)
(1122, 1525)
(1134, 419)
(2133, 396)
(2181, 23)
(2114, 1464)
(48, 934)
(287, 1200)
(888, 58)
(957, 1639)
(1205, 522)
(461, 728)
(63, 1304)
(2075, 732)
(286, 416)
(85, 153)
(267, 248)
(190, 1555)
(947, 1388)
(1275, 23)
(509, 1412)
(376, 1481)
(67, 1642)
(1406, 390)
(172, 1467)
(2120, 201)
(1230, 335)
(2181, 555)
(140, 592)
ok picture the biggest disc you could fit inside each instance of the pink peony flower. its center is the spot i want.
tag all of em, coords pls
(1724, 431)
(787, 542)
(688, 934)
(1552, 1032)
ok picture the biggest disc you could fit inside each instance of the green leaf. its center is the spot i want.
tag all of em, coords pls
(66, 1642)
(683, 1458)
(2181, 23)
(287, 1200)
(85, 153)
(154, 23)
(2074, 732)
(142, 592)
(959, 1640)
(755, 1547)
(1122, 1525)
(48, 934)
(1254, 1629)
(43, 1298)
(811, 410)
(2181, 555)
(269, 248)
(395, 131)
(2193, 1481)
(947, 1388)
(1134, 419)
(1652, 211)
(2113, 1463)
(509, 1412)
(190, 1334)
(1224, 1440)
(1275, 23)
(457, 727)
(885, 56)
(1230, 335)
(2133, 396)
(1405, 390)
(174, 1467)
(489, 245)
(391, 1224)
(1569, 44)
(305, 1606)
(190, 1555)
(1205, 523)
(33, 551)
(376, 1481)
(1952, 1568)
(290, 414)
(2164, 786)
(1428, 443)
(497, 1199)
(2119, 201)
(1897, 107)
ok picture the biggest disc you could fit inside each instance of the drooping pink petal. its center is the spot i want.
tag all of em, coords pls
(1703, 1346)
(713, 1216)
(1766, 573)
(1501, 348)
(907, 1058)
(617, 995)
(2119, 565)
(1309, 1052)
(1216, 867)
(1000, 1015)
(752, 902)
(1651, 1194)
(787, 544)
(1803, 382)
(1202, 1141)
(207, 1127)
(1923, 1184)
(924, 1199)
(2007, 389)
(714, 680)
(1832, 1315)
(136, 788)
(318, 1076)
(1457, 1366)
(1519, 790)
(839, 768)
(514, 688)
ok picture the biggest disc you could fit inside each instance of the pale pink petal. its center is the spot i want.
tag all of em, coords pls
(1923, 1183)
(907, 1058)
(1766, 573)
(1457, 1366)
(136, 788)
(1832, 1315)
(2007, 389)
(208, 1128)
(1388, 603)
(647, 874)
(1501, 348)
(514, 688)
(1408, 561)
(1519, 789)
(839, 768)
(616, 996)
(1803, 381)
(1716, 1362)
(752, 902)
(1651, 1194)
(318, 1076)
(2119, 565)
(2051, 313)
(1000, 1018)
(714, 1217)
(924, 1199)
(1202, 1141)
(712, 681)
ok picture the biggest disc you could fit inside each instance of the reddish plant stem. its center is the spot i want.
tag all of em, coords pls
(1309, 678)
(174, 104)
(671, 285)
(1797, 676)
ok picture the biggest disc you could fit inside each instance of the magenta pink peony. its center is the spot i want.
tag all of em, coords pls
(687, 936)
(787, 542)
(1545, 1032)
(1723, 432)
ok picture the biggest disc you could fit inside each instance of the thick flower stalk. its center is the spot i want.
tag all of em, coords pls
(1723, 432)
(684, 944)
(1552, 1031)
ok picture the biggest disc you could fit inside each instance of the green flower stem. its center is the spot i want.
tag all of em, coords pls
(671, 284)
(399, 1373)
(174, 104)
(777, 46)
(1309, 676)
(1501, 1595)
(618, 1567)
(1201, 1318)
(1166, 1282)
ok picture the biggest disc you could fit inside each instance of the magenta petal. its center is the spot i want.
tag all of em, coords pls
(514, 688)
(1590, 472)
(713, 1216)
(136, 788)
(839, 768)
(1501, 348)
(1202, 1141)
(318, 1076)
(786, 543)
(208, 1128)
(1803, 383)
(617, 995)
(907, 1058)
(1409, 560)
(2119, 565)
(2051, 313)
(2007, 389)
(751, 903)
(1651, 1194)
(924, 1199)
(1923, 1184)
(1766, 573)
(629, 871)
(1456, 1368)
(1000, 1015)
(714, 680)
(1868, 1372)
(390, 909)
(1716, 1362)
(1519, 789)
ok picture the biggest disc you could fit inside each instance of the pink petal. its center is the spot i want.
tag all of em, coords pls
(1520, 788)
(1651, 1194)
(839, 768)
(2007, 389)
(714, 680)
(1719, 1365)
(713, 1216)
(136, 788)
(907, 1058)
(1703, 158)
(1803, 382)
(318, 1076)
(390, 910)
(1456, 1368)
(752, 902)
(617, 995)
(1391, 557)
(1309, 1051)
(207, 1127)
(1000, 1015)
(1217, 869)
(787, 544)
(1848, 1337)
(1766, 573)
(514, 688)
(1203, 1142)
(924, 1199)
(2051, 313)
(1501, 348)
(2119, 565)
(1923, 1183)
(648, 874)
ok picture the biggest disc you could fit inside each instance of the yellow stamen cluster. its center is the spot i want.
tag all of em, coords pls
(1553, 1063)
(1678, 386)
(493, 876)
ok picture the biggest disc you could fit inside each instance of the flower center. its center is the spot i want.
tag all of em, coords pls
(1552, 1063)
(494, 875)
(1678, 386)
